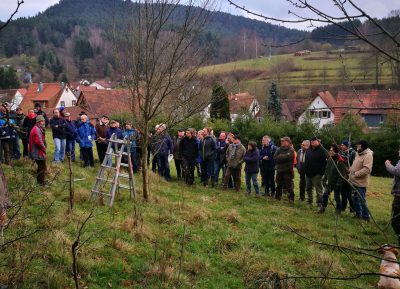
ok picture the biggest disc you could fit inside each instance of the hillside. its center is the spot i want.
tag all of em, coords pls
(184, 237)
(299, 76)
(70, 38)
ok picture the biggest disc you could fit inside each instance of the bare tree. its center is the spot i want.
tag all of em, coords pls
(3, 25)
(159, 60)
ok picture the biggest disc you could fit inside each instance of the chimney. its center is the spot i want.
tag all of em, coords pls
(40, 87)
(62, 84)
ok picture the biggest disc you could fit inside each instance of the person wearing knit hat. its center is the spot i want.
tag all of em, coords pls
(37, 148)
(359, 178)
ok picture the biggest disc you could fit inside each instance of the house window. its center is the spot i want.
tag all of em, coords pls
(74, 103)
(63, 103)
(325, 114)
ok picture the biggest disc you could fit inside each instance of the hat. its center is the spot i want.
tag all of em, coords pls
(40, 118)
(346, 143)
(315, 138)
(37, 104)
(67, 114)
(364, 144)
(61, 108)
(113, 121)
(286, 138)
(104, 116)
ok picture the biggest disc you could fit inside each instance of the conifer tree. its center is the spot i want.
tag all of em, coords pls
(219, 103)
(274, 103)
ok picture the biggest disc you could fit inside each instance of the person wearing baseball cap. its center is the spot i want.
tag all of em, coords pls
(37, 148)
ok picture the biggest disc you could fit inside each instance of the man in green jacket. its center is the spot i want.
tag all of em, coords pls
(284, 162)
(234, 159)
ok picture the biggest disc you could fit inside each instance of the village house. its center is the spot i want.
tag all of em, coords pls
(13, 97)
(374, 106)
(292, 108)
(49, 95)
(243, 103)
(103, 84)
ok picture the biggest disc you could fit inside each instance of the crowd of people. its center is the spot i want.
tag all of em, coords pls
(340, 169)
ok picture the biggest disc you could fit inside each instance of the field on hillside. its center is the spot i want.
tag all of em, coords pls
(183, 237)
(300, 73)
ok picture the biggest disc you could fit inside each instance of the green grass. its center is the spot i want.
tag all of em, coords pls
(230, 241)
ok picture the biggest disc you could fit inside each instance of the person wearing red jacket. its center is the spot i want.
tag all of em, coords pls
(37, 148)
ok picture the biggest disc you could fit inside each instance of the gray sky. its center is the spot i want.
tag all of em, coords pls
(274, 8)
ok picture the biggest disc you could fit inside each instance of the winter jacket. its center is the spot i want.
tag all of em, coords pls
(70, 130)
(220, 146)
(7, 131)
(37, 143)
(315, 163)
(177, 153)
(300, 158)
(28, 123)
(208, 148)
(284, 158)
(199, 159)
(85, 135)
(335, 169)
(361, 168)
(268, 151)
(162, 144)
(188, 148)
(234, 158)
(349, 156)
(42, 113)
(395, 172)
(252, 161)
(101, 131)
(58, 127)
(111, 130)
(132, 136)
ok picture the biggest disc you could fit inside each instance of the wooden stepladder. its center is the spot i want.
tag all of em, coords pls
(109, 176)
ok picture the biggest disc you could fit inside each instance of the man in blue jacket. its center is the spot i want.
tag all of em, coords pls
(58, 128)
(267, 153)
(86, 133)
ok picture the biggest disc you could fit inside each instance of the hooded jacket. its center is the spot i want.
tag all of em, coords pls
(361, 168)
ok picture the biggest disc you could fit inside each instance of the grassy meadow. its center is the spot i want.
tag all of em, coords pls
(183, 237)
(301, 73)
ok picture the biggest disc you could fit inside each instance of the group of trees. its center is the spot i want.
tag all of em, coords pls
(8, 78)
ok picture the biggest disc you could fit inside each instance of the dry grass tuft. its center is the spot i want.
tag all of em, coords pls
(232, 217)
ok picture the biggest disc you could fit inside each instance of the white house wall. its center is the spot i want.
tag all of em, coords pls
(67, 97)
(318, 105)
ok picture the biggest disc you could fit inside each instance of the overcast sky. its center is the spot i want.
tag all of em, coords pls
(274, 8)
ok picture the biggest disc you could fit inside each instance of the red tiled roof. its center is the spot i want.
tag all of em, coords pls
(366, 102)
(105, 83)
(22, 91)
(107, 102)
(240, 102)
(293, 108)
(328, 98)
(87, 88)
(50, 94)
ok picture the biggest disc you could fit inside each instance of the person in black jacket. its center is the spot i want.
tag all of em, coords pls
(252, 166)
(39, 111)
(207, 151)
(189, 151)
(70, 132)
(27, 125)
(284, 160)
(314, 168)
(58, 128)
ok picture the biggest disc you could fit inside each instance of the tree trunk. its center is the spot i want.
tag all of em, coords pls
(145, 169)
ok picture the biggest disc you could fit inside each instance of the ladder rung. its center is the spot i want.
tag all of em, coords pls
(116, 141)
(114, 154)
(108, 167)
(106, 180)
(124, 165)
(125, 187)
(124, 175)
(101, 193)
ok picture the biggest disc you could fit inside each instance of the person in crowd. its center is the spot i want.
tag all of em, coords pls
(207, 151)
(113, 129)
(219, 164)
(162, 146)
(58, 128)
(39, 111)
(301, 157)
(395, 172)
(252, 166)
(359, 178)
(199, 160)
(27, 125)
(177, 153)
(267, 153)
(349, 154)
(132, 135)
(70, 136)
(18, 117)
(234, 157)
(335, 176)
(314, 169)
(189, 151)
(37, 148)
(7, 135)
(86, 133)
(284, 158)
(101, 137)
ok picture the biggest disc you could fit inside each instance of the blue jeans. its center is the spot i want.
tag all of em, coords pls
(70, 149)
(360, 203)
(253, 178)
(337, 194)
(163, 166)
(59, 149)
(217, 167)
